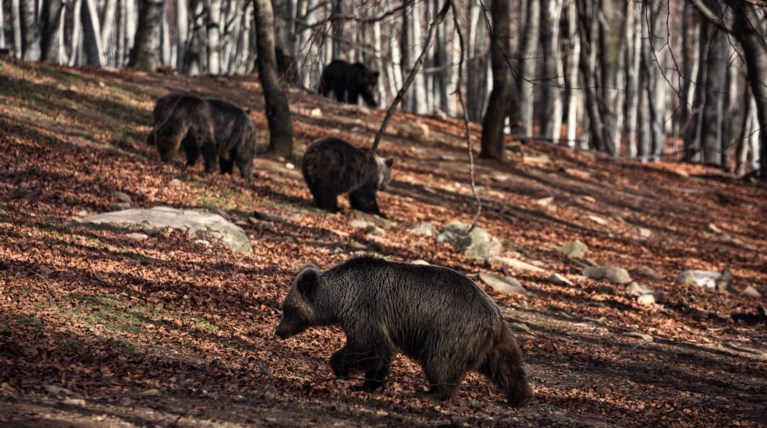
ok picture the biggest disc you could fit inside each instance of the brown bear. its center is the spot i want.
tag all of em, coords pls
(434, 315)
(219, 130)
(162, 108)
(332, 166)
(349, 81)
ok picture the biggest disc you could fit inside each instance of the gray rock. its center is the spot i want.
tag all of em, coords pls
(477, 244)
(559, 279)
(374, 219)
(636, 289)
(358, 224)
(122, 197)
(199, 224)
(500, 284)
(375, 230)
(646, 299)
(575, 249)
(699, 278)
(514, 264)
(420, 262)
(499, 178)
(137, 236)
(645, 272)
(376, 239)
(644, 232)
(122, 205)
(176, 182)
(424, 229)
(611, 273)
(521, 326)
(358, 245)
(606, 289)
(751, 292)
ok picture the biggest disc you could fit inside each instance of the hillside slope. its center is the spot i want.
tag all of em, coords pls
(171, 331)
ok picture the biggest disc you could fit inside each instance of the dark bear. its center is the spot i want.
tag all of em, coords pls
(332, 166)
(219, 130)
(162, 108)
(434, 315)
(349, 81)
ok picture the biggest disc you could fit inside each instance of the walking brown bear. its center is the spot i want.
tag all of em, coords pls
(219, 130)
(434, 315)
(162, 108)
(349, 81)
(332, 166)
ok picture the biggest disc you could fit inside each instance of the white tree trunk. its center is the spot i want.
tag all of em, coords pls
(633, 63)
(182, 31)
(550, 114)
(16, 24)
(528, 64)
(92, 34)
(571, 81)
(214, 36)
(75, 57)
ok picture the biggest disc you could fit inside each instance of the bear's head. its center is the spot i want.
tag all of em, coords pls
(167, 138)
(384, 171)
(298, 309)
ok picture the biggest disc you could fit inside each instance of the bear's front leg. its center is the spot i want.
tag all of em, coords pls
(210, 156)
(339, 364)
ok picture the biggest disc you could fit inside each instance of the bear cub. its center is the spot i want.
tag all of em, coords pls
(332, 166)
(219, 130)
(434, 315)
(349, 81)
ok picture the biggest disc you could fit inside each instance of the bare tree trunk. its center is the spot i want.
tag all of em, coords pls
(30, 32)
(588, 30)
(284, 39)
(75, 57)
(52, 39)
(711, 129)
(522, 112)
(277, 110)
(337, 23)
(732, 103)
(550, 114)
(92, 34)
(633, 70)
(16, 24)
(415, 98)
(107, 22)
(146, 51)
(182, 31)
(744, 137)
(476, 64)
(213, 25)
(2, 26)
(659, 34)
(606, 90)
(377, 45)
(571, 81)
(644, 138)
(493, 146)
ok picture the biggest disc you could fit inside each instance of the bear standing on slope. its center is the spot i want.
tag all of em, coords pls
(349, 81)
(162, 108)
(332, 166)
(434, 315)
(219, 130)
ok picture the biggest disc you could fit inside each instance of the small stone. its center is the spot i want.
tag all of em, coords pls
(577, 173)
(358, 224)
(646, 299)
(447, 158)
(358, 245)
(700, 278)
(499, 178)
(605, 289)
(339, 233)
(315, 113)
(424, 229)
(638, 335)
(290, 166)
(420, 262)
(176, 182)
(536, 160)
(500, 284)
(597, 219)
(751, 292)
(375, 230)
(611, 273)
(149, 393)
(714, 228)
(560, 280)
(645, 272)
(604, 390)
(545, 202)
(137, 236)
(82, 213)
(589, 199)
(477, 244)
(575, 249)
(380, 240)
(122, 197)
(643, 232)
(636, 289)
(523, 305)
(202, 242)
(514, 264)
(415, 130)
(56, 390)
(79, 402)
(122, 206)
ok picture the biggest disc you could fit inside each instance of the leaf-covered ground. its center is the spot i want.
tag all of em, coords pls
(97, 329)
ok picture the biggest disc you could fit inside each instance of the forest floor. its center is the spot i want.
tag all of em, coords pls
(98, 329)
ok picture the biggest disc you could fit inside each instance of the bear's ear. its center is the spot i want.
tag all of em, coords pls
(308, 281)
(389, 162)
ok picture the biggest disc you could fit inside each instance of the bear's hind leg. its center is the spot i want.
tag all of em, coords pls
(210, 156)
(444, 378)
(375, 374)
(325, 200)
(226, 166)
